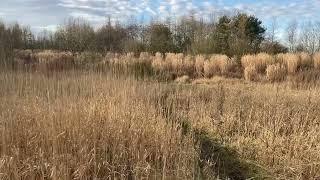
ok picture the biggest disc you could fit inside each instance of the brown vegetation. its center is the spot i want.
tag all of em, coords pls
(78, 124)
(169, 66)
(276, 72)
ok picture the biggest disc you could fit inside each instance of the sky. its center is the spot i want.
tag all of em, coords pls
(47, 14)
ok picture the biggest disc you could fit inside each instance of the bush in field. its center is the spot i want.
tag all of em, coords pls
(276, 72)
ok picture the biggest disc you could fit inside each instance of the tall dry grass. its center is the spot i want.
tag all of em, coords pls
(305, 60)
(259, 61)
(316, 60)
(217, 65)
(276, 72)
(86, 125)
(199, 65)
(250, 73)
(171, 65)
(159, 63)
(291, 60)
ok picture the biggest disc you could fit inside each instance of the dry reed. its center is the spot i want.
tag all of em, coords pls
(316, 60)
(276, 72)
(250, 73)
(77, 125)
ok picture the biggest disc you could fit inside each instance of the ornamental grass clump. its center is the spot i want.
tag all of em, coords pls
(276, 72)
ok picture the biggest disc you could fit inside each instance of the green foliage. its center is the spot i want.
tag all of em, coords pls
(237, 35)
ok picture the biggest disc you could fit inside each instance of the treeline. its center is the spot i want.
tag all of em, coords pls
(231, 35)
(13, 37)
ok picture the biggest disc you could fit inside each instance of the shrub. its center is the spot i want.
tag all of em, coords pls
(276, 72)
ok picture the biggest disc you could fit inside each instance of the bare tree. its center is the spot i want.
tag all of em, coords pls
(273, 30)
(309, 37)
(292, 35)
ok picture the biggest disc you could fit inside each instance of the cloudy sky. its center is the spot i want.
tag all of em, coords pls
(46, 14)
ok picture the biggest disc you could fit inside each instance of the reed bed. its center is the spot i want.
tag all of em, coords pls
(170, 66)
(90, 125)
(259, 61)
(316, 59)
(84, 126)
(276, 72)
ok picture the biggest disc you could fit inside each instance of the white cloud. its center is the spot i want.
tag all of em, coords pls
(122, 9)
(45, 12)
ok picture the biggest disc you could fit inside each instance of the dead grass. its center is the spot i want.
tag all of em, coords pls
(305, 60)
(171, 65)
(276, 72)
(292, 62)
(74, 126)
(250, 73)
(259, 61)
(217, 65)
(316, 59)
(84, 125)
(199, 65)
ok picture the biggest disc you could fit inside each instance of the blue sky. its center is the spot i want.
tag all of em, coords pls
(47, 14)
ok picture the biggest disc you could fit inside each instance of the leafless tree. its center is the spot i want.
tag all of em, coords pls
(292, 35)
(310, 37)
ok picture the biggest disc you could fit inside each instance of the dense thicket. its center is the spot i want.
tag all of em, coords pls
(13, 37)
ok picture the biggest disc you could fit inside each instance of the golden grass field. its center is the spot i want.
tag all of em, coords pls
(89, 124)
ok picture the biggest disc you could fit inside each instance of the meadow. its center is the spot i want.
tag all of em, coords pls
(128, 116)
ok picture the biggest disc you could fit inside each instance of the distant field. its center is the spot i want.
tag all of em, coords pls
(111, 121)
